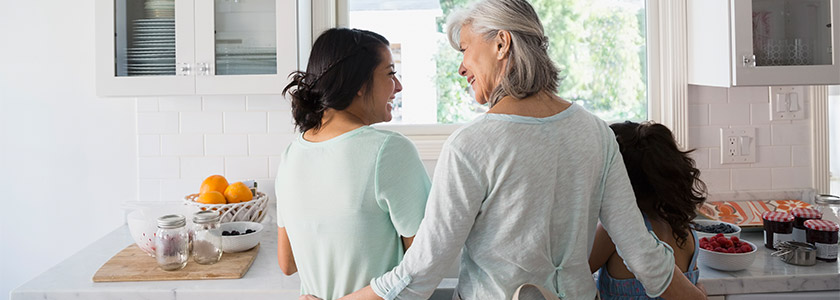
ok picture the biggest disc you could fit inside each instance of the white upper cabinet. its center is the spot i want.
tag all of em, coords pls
(763, 42)
(194, 47)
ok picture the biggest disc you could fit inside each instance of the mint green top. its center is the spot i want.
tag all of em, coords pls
(345, 204)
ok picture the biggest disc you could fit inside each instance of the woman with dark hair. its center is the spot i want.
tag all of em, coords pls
(349, 197)
(668, 189)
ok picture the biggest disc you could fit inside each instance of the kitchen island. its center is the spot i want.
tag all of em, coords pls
(71, 279)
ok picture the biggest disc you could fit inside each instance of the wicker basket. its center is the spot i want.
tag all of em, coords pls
(253, 210)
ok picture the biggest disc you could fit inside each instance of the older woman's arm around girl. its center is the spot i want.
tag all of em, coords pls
(522, 187)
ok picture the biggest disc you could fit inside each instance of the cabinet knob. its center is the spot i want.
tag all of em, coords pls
(184, 69)
(203, 68)
(749, 61)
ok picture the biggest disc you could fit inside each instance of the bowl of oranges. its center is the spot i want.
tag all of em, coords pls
(234, 201)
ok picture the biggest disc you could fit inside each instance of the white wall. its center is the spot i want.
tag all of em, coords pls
(67, 158)
(783, 150)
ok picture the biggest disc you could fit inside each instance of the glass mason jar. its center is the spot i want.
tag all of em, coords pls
(172, 242)
(828, 204)
(207, 237)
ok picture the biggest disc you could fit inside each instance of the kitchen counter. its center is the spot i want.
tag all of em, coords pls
(71, 279)
(768, 274)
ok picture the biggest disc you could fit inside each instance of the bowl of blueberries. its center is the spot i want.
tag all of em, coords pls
(240, 236)
(710, 228)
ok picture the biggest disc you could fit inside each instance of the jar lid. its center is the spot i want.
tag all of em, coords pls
(827, 199)
(171, 221)
(822, 225)
(206, 216)
(806, 212)
(778, 216)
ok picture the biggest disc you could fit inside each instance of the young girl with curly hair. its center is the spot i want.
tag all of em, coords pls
(668, 188)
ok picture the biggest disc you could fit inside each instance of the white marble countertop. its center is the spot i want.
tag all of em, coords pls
(768, 274)
(72, 278)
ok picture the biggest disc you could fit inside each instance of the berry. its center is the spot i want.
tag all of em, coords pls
(225, 233)
(249, 231)
(234, 232)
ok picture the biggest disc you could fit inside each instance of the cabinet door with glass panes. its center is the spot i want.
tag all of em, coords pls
(194, 47)
(764, 42)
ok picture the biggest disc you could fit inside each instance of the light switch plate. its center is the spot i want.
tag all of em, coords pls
(737, 145)
(787, 103)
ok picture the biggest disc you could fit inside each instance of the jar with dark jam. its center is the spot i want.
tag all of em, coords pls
(800, 215)
(778, 227)
(823, 235)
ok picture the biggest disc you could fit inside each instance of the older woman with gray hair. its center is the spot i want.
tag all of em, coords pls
(521, 188)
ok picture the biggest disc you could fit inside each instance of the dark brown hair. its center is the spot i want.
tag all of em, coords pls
(666, 182)
(342, 60)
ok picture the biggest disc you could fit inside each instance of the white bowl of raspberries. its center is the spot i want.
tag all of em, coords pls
(726, 253)
(710, 228)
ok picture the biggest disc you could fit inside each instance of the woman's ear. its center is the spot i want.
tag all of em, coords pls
(502, 44)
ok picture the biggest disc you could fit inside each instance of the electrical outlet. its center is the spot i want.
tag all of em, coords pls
(737, 145)
(787, 103)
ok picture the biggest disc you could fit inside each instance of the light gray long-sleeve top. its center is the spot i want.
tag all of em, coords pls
(522, 197)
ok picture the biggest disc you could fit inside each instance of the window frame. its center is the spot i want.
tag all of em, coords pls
(666, 54)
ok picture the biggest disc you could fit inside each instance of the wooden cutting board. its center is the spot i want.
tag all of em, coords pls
(132, 264)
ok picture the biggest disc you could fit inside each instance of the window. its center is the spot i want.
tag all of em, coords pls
(600, 47)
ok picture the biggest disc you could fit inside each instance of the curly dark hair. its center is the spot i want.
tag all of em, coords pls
(666, 182)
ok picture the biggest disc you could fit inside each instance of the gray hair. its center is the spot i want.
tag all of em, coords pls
(529, 70)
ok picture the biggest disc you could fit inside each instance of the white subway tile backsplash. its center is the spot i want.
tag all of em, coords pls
(243, 168)
(751, 179)
(763, 135)
(177, 189)
(772, 156)
(148, 145)
(147, 104)
(202, 122)
(280, 122)
(226, 145)
(180, 103)
(749, 94)
(268, 144)
(245, 122)
(759, 113)
(706, 95)
(158, 167)
(801, 155)
(148, 190)
(268, 103)
(790, 134)
(716, 179)
(701, 158)
(729, 114)
(698, 115)
(704, 137)
(223, 103)
(273, 162)
(267, 186)
(157, 122)
(789, 178)
(181, 144)
(201, 167)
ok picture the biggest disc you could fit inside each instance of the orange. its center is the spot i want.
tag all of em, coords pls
(214, 183)
(211, 197)
(238, 192)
